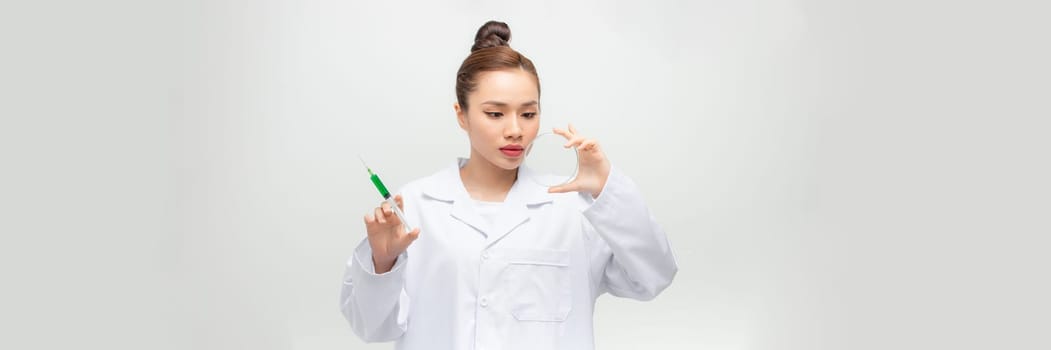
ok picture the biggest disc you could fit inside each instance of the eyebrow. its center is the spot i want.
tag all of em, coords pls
(501, 104)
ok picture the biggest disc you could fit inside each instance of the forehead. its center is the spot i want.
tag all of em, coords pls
(513, 86)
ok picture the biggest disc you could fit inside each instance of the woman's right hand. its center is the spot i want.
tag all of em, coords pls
(387, 236)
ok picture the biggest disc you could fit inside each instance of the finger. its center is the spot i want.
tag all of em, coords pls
(573, 142)
(572, 129)
(570, 187)
(412, 235)
(388, 213)
(380, 217)
(391, 217)
(587, 145)
(564, 133)
(401, 202)
(369, 219)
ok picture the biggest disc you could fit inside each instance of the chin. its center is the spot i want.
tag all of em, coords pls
(507, 164)
(512, 165)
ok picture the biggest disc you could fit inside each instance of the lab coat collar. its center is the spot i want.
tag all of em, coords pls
(447, 186)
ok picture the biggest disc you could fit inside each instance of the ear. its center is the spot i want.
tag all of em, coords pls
(461, 116)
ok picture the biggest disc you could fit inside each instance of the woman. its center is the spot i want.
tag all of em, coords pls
(498, 262)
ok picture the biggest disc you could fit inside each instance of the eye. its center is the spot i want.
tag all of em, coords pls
(495, 114)
(529, 115)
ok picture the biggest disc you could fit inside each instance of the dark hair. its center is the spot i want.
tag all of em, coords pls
(490, 52)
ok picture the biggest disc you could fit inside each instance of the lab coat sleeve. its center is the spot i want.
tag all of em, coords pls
(376, 305)
(641, 264)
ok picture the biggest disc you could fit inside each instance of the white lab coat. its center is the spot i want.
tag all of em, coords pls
(528, 282)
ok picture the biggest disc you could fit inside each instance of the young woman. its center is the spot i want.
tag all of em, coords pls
(498, 262)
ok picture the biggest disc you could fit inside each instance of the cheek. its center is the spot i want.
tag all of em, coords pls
(483, 131)
(534, 127)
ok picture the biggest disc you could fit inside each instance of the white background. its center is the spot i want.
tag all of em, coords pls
(831, 174)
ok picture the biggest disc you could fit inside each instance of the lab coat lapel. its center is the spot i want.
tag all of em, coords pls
(463, 210)
(512, 214)
(515, 210)
(448, 187)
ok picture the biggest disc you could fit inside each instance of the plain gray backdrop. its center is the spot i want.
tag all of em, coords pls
(831, 174)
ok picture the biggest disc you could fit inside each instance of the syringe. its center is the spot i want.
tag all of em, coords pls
(386, 196)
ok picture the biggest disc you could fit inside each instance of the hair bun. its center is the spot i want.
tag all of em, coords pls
(491, 34)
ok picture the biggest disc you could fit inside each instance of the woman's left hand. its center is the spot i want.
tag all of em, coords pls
(592, 165)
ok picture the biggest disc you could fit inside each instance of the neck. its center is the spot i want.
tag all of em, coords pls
(485, 181)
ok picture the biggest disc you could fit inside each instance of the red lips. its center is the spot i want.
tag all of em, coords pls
(513, 151)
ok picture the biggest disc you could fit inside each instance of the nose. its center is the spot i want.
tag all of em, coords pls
(513, 130)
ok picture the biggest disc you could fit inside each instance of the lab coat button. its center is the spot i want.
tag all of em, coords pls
(485, 255)
(484, 302)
